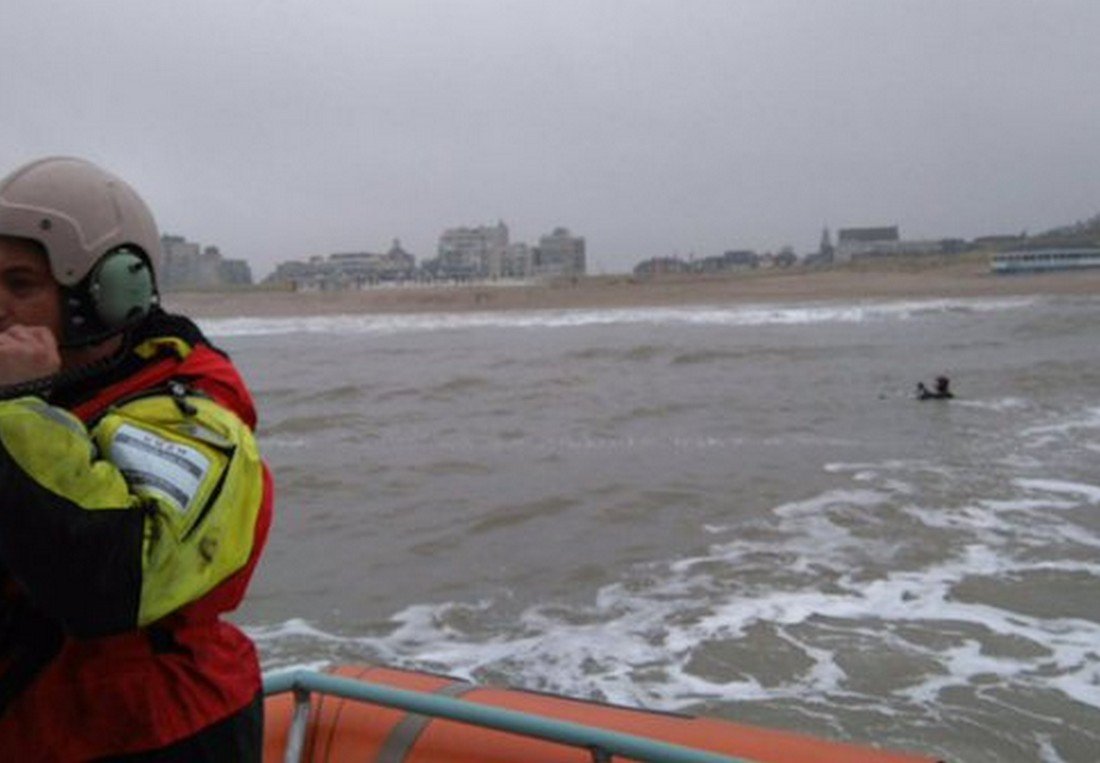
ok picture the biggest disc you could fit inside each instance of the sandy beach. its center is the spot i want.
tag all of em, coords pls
(891, 279)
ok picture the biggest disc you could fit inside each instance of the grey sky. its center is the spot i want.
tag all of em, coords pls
(286, 128)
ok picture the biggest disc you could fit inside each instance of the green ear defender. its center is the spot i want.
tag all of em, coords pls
(121, 288)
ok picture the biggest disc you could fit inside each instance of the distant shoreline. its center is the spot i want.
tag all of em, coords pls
(890, 279)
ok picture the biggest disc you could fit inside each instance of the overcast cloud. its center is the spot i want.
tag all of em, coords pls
(281, 129)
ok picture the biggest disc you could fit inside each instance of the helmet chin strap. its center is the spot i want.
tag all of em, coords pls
(45, 385)
(79, 336)
(80, 325)
(90, 340)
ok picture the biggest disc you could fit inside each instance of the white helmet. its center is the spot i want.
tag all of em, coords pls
(100, 237)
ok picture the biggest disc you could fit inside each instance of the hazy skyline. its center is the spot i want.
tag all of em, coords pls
(285, 129)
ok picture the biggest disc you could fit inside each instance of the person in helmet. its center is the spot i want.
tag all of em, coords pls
(134, 503)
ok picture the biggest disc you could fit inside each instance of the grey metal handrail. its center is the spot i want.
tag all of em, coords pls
(602, 743)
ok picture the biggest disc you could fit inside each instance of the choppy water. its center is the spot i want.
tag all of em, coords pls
(737, 511)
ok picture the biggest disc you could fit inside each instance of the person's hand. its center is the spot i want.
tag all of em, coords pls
(27, 353)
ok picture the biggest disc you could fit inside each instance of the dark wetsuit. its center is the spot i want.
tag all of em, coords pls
(941, 392)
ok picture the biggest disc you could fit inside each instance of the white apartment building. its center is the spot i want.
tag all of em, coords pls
(473, 252)
(560, 254)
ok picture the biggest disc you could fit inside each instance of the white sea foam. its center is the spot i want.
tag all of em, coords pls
(953, 583)
(634, 630)
(1087, 419)
(636, 642)
(745, 315)
(295, 627)
(1002, 405)
(1091, 493)
(649, 630)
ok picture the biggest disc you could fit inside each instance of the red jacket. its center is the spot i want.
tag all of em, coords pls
(112, 687)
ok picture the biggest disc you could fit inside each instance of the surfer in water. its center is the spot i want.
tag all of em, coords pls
(941, 392)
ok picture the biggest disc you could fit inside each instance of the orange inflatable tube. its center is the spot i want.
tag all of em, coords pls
(342, 730)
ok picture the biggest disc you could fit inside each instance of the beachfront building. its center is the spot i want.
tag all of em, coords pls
(360, 269)
(517, 262)
(863, 243)
(661, 265)
(347, 270)
(235, 272)
(560, 253)
(825, 248)
(784, 258)
(463, 254)
(187, 265)
(855, 243)
(1045, 259)
(1000, 241)
(180, 263)
(471, 253)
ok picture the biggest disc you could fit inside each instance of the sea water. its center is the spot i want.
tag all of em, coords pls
(738, 510)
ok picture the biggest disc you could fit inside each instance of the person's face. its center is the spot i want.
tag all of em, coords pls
(29, 295)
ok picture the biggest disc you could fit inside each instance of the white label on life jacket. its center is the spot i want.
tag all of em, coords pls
(153, 465)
